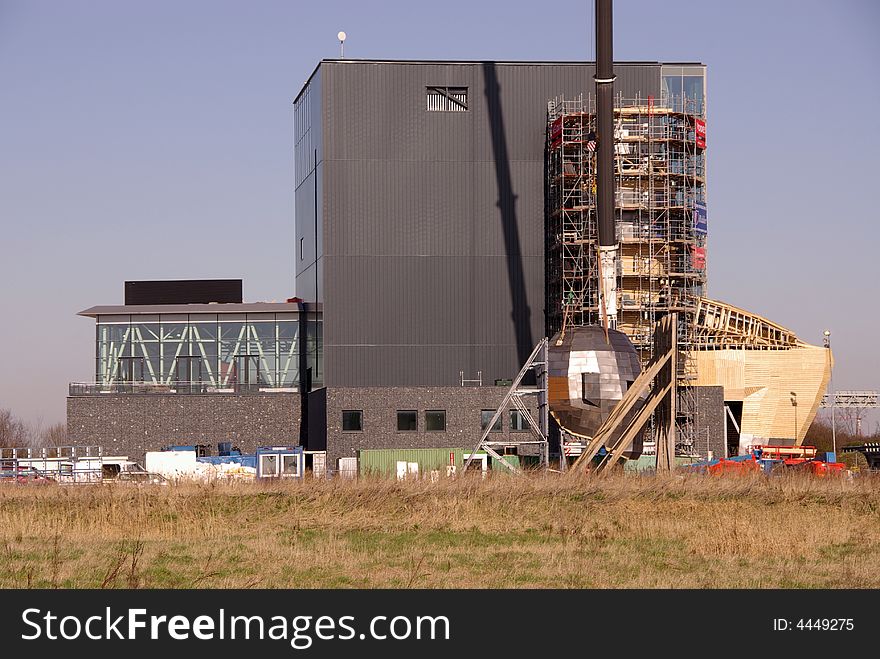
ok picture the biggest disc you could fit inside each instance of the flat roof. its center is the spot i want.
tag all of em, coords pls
(218, 308)
(347, 60)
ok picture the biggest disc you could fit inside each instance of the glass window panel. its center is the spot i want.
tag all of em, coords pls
(288, 329)
(262, 331)
(266, 348)
(269, 465)
(672, 85)
(206, 352)
(288, 363)
(227, 371)
(435, 420)
(518, 421)
(131, 369)
(105, 369)
(407, 420)
(290, 464)
(287, 348)
(352, 420)
(289, 377)
(486, 417)
(145, 332)
(150, 352)
(692, 88)
(228, 351)
(203, 343)
(173, 331)
(116, 333)
(175, 348)
(231, 332)
(206, 331)
(314, 335)
(169, 366)
(267, 362)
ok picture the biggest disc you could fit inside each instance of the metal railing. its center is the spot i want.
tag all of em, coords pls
(146, 388)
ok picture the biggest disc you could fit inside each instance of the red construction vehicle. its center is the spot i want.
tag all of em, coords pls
(774, 459)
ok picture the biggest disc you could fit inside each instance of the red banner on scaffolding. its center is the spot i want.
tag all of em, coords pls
(700, 132)
(699, 258)
(556, 133)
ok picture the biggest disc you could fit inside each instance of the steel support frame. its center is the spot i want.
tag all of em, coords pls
(539, 428)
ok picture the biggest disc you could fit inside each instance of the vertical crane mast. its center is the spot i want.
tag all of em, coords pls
(608, 249)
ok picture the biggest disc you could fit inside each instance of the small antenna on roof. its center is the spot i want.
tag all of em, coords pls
(341, 36)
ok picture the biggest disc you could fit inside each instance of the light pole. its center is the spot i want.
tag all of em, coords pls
(827, 344)
(794, 405)
(341, 36)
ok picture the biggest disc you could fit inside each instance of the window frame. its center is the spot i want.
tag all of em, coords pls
(519, 415)
(415, 414)
(484, 424)
(360, 414)
(447, 93)
(427, 412)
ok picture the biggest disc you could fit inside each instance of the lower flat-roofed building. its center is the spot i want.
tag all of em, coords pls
(199, 373)
(251, 374)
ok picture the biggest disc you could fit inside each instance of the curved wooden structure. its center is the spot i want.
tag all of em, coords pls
(779, 378)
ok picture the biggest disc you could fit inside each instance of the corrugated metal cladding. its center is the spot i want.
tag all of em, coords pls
(433, 222)
(384, 462)
(308, 126)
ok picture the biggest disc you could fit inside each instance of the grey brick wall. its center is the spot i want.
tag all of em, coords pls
(709, 415)
(380, 404)
(134, 424)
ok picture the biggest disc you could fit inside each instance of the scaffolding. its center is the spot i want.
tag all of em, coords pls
(660, 218)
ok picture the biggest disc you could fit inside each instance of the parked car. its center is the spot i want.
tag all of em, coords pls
(128, 471)
(23, 476)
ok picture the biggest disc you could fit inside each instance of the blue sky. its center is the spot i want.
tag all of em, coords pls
(154, 140)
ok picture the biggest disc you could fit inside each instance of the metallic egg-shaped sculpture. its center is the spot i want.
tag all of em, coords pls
(587, 377)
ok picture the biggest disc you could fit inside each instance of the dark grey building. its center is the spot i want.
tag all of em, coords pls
(420, 250)
(420, 210)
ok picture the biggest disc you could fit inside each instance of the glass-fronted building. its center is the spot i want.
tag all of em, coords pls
(206, 348)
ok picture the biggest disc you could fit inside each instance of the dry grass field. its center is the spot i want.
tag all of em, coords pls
(616, 532)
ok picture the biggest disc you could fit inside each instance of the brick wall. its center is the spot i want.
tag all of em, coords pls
(380, 404)
(134, 424)
(709, 415)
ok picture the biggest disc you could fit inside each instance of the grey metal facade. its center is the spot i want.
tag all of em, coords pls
(422, 232)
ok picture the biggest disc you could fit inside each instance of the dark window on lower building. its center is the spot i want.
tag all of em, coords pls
(131, 369)
(352, 420)
(486, 417)
(518, 422)
(435, 420)
(407, 420)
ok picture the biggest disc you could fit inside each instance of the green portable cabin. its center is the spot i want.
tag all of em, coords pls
(409, 463)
